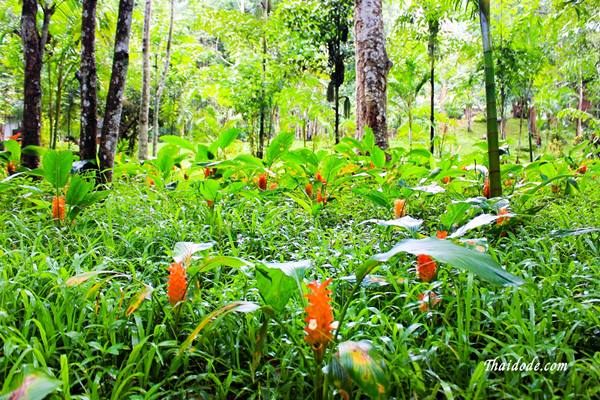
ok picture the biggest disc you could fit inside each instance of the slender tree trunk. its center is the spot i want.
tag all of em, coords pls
(62, 72)
(114, 98)
(33, 50)
(410, 127)
(50, 97)
(579, 126)
(490, 94)
(503, 112)
(145, 106)
(163, 78)
(469, 116)
(337, 113)
(434, 26)
(88, 79)
(520, 132)
(529, 132)
(372, 67)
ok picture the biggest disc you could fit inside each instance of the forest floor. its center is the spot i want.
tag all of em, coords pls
(81, 333)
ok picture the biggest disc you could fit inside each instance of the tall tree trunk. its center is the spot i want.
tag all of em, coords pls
(33, 50)
(529, 131)
(434, 26)
(490, 95)
(88, 79)
(372, 67)
(161, 83)
(503, 112)
(62, 72)
(337, 113)
(145, 106)
(114, 98)
(520, 132)
(579, 127)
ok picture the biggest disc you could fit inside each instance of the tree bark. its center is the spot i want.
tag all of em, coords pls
(490, 95)
(88, 79)
(434, 26)
(33, 50)
(161, 83)
(145, 106)
(114, 98)
(372, 67)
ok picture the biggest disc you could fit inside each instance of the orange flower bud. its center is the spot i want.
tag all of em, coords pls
(441, 234)
(399, 208)
(319, 317)
(309, 189)
(58, 208)
(486, 188)
(446, 180)
(262, 181)
(426, 268)
(502, 211)
(177, 284)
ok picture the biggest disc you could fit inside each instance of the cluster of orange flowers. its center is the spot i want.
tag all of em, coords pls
(319, 317)
(177, 284)
(486, 188)
(58, 208)
(399, 208)
(502, 211)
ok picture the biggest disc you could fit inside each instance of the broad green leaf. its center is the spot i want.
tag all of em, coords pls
(78, 190)
(455, 214)
(225, 139)
(359, 363)
(368, 141)
(478, 221)
(274, 286)
(449, 253)
(14, 148)
(57, 167)
(279, 145)
(35, 386)
(183, 251)
(378, 157)
(179, 141)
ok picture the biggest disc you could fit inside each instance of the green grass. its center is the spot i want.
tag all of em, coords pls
(82, 336)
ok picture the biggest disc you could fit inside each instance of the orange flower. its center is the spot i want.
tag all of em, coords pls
(322, 198)
(426, 268)
(371, 165)
(150, 181)
(11, 168)
(207, 172)
(446, 180)
(210, 203)
(58, 208)
(262, 181)
(177, 283)
(16, 136)
(309, 189)
(582, 169)
(273, 186)
(319, 318)
(441, 234)
(427, 299)
(320, 178)
(399, 208)
(508, 182)
(502, 211)
(486, 188)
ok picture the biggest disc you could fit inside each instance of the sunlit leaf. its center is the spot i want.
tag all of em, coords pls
(238, 306)
(359, 363)
(572, 232)
(407, 222)
(57, 167)
(142, 295)
(35, 386)
(478, 221)
(183, 251)
(81, 278)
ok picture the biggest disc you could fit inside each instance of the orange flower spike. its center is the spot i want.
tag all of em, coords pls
(319, 316)
(273, 186)
(321, 197)
(425, 299)
(320, 178)
(426, 268)
(262, 181)
(150, 181)
(11, 168)
(441, 234)
(58, 208)
(502, 211)
(177, 283)
(309, 189)
(210, 203)
(582, 169)
(399, 208)
(486, 188)
(207, 172)
(446, 180)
